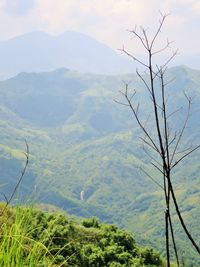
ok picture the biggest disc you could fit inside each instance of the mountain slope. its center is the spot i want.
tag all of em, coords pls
(81, 140)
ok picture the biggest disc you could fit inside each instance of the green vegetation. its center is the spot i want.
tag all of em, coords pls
(80, 141)
(32, 237)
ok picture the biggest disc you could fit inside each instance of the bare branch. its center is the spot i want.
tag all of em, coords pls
(135, 34)
(131, 56)
(151, 157)
(27, 153)
(182, 130)
(173, 240)
(187, 154)
(164, 48)
(159, 29)
(147, 143)
(170, 81)
(171, 114)
(143, 80)
(173, 139)
(146, 38)
(181, 219)
(183, 151)
(120, 103)
(138, 120)
(6, 199)
(150, 177)
(157, 168)
(170, 58)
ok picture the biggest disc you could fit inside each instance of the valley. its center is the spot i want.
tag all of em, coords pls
(80, 139)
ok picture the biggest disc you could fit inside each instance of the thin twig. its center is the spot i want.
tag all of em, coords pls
(27, 153)
(150, 177)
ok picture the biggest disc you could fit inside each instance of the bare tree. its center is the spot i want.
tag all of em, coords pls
(163, 148)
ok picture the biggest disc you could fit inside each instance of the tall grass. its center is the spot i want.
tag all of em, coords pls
(18, 248)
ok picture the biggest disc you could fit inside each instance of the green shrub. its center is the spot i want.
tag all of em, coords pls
(93, 222)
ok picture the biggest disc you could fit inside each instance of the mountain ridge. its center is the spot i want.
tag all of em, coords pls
(38, 51)
(95, 147)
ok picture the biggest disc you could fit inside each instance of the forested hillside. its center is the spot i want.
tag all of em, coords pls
(81, 141)
(31, 237)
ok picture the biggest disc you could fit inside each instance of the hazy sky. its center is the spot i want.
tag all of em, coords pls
(105, 20)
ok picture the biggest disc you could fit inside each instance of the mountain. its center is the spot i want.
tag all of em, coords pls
(38, 51)
(82, 141)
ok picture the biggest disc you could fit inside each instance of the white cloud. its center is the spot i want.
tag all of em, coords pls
(17, 7)
(106, 20)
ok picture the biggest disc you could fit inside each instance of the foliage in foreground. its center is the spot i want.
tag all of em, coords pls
(32, 237)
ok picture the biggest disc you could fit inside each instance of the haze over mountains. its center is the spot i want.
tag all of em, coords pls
(81, 140)
(38, 51)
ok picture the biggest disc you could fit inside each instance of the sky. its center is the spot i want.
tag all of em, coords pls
(107, 21)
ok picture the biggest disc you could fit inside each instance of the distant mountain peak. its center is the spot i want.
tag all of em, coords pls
(39, 51)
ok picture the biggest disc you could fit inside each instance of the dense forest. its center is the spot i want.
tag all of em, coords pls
(32, 237)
